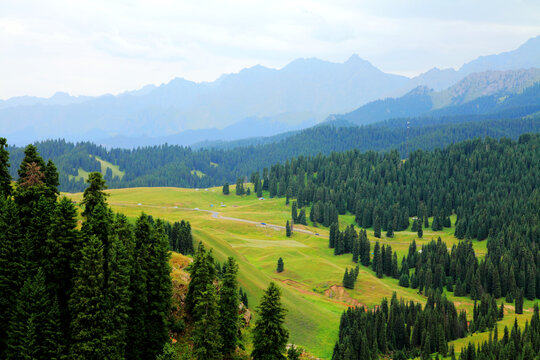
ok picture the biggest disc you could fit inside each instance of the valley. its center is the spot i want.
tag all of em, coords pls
(312, 281)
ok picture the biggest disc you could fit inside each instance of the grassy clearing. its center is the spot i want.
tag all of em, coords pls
(311, 282)
(107, 165)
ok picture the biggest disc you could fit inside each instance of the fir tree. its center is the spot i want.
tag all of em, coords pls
(280, 265)
(94, 193)
(5, 177)
(377, 227)
(294, 212)
(12, 265)
(159, 291)
(225, 189)
(206, 336)
(34, 330)
(88, 304)
(288, 229)
(269, 335)
(202, 273)
(228, 308)
(519, 301)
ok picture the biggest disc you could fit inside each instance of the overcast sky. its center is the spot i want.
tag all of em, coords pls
(93, 47)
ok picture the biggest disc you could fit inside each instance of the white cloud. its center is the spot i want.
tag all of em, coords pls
(95, 47)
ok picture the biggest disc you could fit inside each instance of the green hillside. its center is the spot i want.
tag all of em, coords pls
(312, 280)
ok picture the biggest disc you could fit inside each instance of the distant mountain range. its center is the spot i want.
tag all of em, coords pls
(260, 101)
(478, 93)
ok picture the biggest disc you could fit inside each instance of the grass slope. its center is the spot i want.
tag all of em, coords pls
(311, 282)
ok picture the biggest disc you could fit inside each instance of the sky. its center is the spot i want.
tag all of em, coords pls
(93, 47)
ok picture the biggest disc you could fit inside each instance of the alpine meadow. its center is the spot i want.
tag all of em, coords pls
(271, 205)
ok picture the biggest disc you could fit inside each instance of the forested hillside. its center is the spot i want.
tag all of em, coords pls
(169, 165)
(491, 185)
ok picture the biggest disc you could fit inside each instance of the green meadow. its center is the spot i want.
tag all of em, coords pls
(311, 282)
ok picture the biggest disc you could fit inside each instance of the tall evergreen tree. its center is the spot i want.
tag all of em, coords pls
(206, 335)
(88, 304)
(377, 227)
(269, 335)
(159, 291)
(62, 250)
(12, 265)
(202, 272)
(288, 229)
(280, 265)
(94, 193)
(34, 330)
(5, 177)
(228, 309)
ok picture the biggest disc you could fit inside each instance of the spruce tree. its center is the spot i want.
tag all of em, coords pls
(225, 189)
(206, 336)
(159, 291)
(288, 229)
(280, 265)
(34, 329)
(294, 212)
(117, 298)
(377, 227)
(94, 193)
(269, 335)
(228, 309)
(420, 231)
(88, 305)
(12, 265)
(5, 177)
(202, 272)
(519, 301)
(62, 250)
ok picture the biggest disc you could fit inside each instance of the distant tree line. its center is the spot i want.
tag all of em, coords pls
(172, 165)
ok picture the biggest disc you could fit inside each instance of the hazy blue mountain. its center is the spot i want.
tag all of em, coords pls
(303, 91)
(477, 93)
(524, 57)
(59, 98)
(244, 129)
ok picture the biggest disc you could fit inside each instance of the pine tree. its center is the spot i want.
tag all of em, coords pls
(117, 299)
(225, 189)
(288, 229)
(294, 212)
(34, 330)
(280, 265)
(5, 177)
(62, 248)
(346, 279)
(228, 308)
(88, 305)
(519, 301)
(206, 336)
(159, 291)
(420, 231)
(136, 323)
(12, 265)
(94, 193)
(377, 227)
(390, 231)
(269, 335)
(202, 273)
